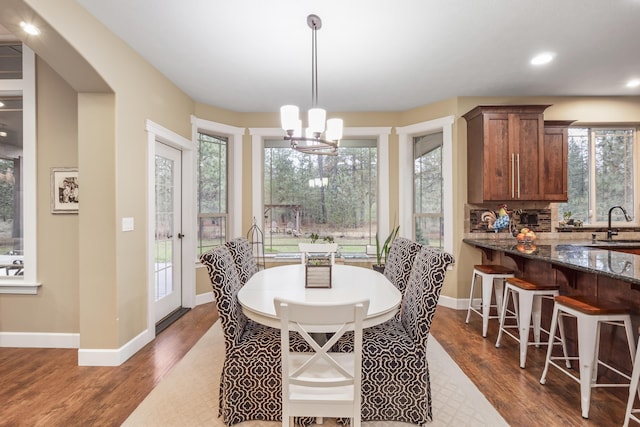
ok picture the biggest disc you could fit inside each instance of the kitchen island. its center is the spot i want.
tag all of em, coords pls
(607, 270)
(614, 260)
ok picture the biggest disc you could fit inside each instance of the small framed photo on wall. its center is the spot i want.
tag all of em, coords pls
(64, 190)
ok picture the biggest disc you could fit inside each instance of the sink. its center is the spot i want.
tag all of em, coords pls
(623, 241)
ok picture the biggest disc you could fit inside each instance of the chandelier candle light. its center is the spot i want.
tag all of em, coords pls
(312, 142)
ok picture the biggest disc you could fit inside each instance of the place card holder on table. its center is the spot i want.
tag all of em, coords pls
(317, 272)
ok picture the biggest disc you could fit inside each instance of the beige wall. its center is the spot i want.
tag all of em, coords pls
(104, 296)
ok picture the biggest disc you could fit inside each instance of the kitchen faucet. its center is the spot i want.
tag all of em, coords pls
(611, 232)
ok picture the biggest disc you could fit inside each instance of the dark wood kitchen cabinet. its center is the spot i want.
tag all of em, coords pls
(556, 160)
(506, 153)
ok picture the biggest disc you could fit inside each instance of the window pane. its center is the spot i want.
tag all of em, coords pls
(601, 163)
(578, 176)
(11, 227)
(212, 191)
(427, 189)
(11, 61)
(614, 171)
(327, 195)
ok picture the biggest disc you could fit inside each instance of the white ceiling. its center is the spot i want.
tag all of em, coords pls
(380, 55)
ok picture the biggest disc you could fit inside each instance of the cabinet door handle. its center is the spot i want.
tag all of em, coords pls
(518, 157)
(512, 176)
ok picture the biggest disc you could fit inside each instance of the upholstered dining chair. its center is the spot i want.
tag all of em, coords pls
(321, 383)
(250, 382)
(395, 372)
(397, 267)
(243, 258)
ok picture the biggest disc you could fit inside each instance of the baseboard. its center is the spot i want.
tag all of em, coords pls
(204, 298)
(455, 303)
(39, 340)
(117, 356)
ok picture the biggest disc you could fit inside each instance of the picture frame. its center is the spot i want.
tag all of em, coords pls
(64, 191)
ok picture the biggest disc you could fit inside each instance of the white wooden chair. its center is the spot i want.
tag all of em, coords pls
(328, 249)
(321, 383)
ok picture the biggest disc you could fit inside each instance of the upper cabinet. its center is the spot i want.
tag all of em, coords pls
(556, 160)
(511, 157)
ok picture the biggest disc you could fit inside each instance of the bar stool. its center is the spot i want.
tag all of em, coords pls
(493, 276)
(527, 303)
(633, 389)
(590, 314)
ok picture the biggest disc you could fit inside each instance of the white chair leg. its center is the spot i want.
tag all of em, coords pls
(473, 283)
(633, 388)
(587, 357)
(503, 314)
(525, 305)
(552, 334)
(563, 342)
(498, 285)
(487, 291)
(536, 318)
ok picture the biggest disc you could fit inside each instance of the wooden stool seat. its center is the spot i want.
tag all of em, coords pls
(590, 313)
(592, 306)
(528, 286)
(493, 269)
(527, 309)
(493, 277)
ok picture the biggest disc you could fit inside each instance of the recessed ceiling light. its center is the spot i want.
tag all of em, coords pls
(1, 104)
(633, 83)
(3, 133)
(29, 28)
(543, 58)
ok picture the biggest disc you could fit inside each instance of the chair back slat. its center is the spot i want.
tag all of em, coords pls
(326, 249)
(338, 375)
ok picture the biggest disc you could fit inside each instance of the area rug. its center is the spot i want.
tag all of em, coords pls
(188, 395)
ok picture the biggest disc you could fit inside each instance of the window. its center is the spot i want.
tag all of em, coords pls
(17, 170)
(427, 189)
(332, 196)
(601, 174)
(212, 191)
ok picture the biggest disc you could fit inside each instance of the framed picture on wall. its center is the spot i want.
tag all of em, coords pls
(64, 190)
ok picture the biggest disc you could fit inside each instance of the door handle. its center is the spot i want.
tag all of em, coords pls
(180, 235)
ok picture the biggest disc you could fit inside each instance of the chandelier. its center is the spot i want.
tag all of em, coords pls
(312, 142)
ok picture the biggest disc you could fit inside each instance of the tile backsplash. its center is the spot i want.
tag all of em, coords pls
(538, 220)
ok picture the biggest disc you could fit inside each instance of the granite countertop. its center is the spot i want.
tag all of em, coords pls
(582, 255)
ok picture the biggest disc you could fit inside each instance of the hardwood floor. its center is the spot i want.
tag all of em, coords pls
(45, 387)
(517, 393)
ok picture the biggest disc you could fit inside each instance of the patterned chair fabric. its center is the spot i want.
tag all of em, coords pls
(251, 378)
(402, 255)
(395, 372)
(243, 258)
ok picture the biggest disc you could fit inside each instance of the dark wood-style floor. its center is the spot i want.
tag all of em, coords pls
(45, 387)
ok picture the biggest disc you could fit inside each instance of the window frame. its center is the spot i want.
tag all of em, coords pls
(592, 202)
(380, 134)
(405, 175)
(234, 171)
(284, 147)
(28, 283)
(424, 215)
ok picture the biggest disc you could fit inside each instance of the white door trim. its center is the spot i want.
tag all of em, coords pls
(158, 133)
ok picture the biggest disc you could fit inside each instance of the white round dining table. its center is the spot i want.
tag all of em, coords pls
(348, 284)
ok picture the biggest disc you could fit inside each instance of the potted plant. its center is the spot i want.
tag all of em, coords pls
(383, 251)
